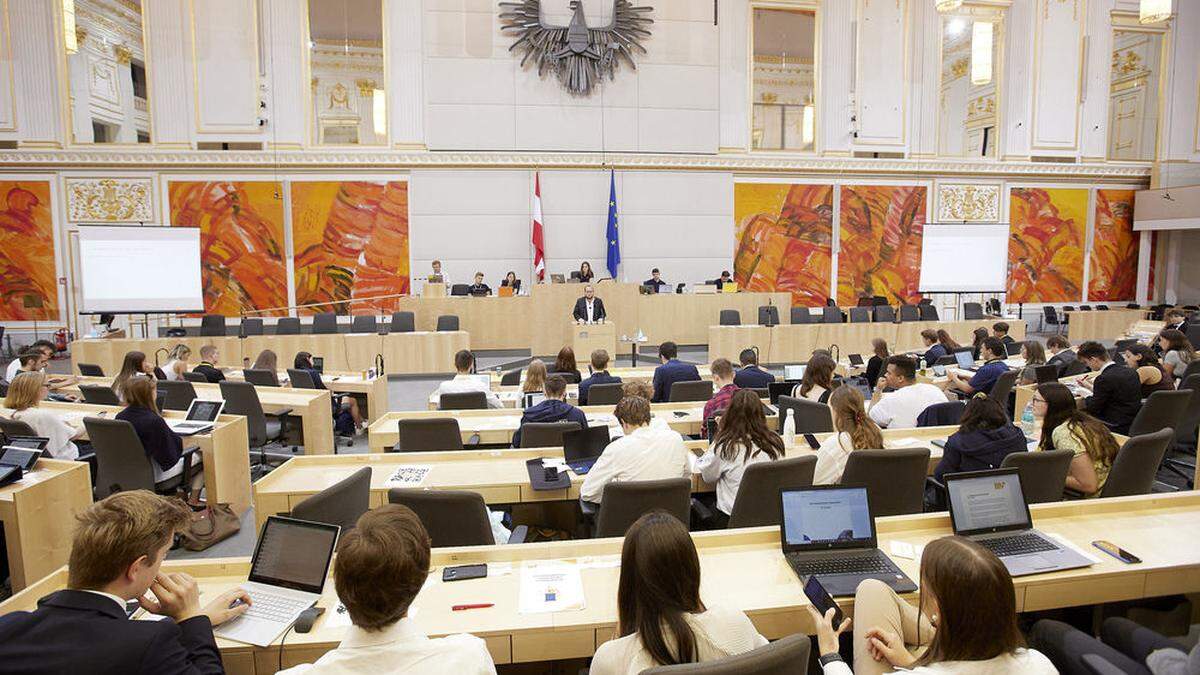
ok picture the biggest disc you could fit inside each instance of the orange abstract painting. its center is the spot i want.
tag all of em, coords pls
(241, 242)
(1114, 258)
(880, 254)
(784, 239)
(350, 241)
(1045, 248)
(28, 291)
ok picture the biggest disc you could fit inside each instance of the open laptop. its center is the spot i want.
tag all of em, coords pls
(558, 279)
(25, 458)
(794, 372)
(966, 360)
(30, 442)
(989, 507)
(856, 360)
(1013, 348)
(777, 389)
(532, 398)
(287, 576)
(200, 417)
(318, 364)
(828, 531)
(582, 447)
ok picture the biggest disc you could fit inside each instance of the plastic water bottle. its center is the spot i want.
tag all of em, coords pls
(789, 429)
(1027, 423)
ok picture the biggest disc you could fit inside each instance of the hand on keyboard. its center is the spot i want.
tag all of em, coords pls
(228, 605)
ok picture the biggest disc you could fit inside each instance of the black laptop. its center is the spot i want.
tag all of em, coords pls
(22, 457)
(30, 442)
(856, 360)
(318, 364)
(582, 447)
(828, 531)
(777, 389)
(1013, 348)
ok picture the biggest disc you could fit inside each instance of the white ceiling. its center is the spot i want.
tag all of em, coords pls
(345, 19)
(780, 32)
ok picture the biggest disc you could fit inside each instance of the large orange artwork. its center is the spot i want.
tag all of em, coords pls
(1045, 248)
(28, 291)
(784, 239)
(350, 241)
(241, 242)
(880, 254)
(1114, 256)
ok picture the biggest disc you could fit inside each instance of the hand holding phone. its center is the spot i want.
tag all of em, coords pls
(821, 600)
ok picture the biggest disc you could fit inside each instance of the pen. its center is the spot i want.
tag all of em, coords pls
(480, 605)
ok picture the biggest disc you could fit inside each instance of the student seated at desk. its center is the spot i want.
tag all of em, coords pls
(24, 394)
(853, 430)
(965, 623)
(1116, 391)
(671, 371)
(934, 349)
(1000, 330)
(743, 438)
(466, 381)
(1066, 427)
(380, 568)
(875, 364)
(1177, 352)
(979, 335)
(553, 409)
(116, 551)
(35, 360)
(993, 354)
(1150, 372)
(1060, 351)
(565, 365)
(1034, 355)
(722, 374)
(599, 375)
(661, 619)
(817, 382)
(751, 375)
(642, 390)
(947, 342)
(164, 447)
(984, 438)
(346, 418)
(534, 380)
(645, 452)
(267, 360)
(208, 365)
(900, 408)
(134, 365)
(177, 362)
(43, 347)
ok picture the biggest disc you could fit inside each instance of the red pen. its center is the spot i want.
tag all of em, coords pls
(481, 605)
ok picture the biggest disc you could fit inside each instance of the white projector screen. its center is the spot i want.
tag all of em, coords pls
(136, 270)
(964, 258)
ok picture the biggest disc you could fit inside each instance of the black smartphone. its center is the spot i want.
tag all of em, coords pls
(1116, 551)
(812, 441)
(463, 572)
(821, 599)
(681, 413)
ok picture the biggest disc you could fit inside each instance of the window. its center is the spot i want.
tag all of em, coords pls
(968, 103)
(783, 115)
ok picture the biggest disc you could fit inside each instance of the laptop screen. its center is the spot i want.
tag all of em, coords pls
(35, 442)
(793, 372)
(856, 359)
(533, 398)
(584, 444)
(777, 389)
(22, 457)
(964, 358)
(204, 411)
(824, 517)
(987, 501)
(294, 554)
(1013, 348)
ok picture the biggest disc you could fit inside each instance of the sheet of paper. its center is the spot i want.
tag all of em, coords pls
(550, 587)
(409, 475)
(906, 442)
(903, 549)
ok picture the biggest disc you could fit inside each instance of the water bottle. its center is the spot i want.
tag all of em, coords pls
(789, 429)
(1027, 423)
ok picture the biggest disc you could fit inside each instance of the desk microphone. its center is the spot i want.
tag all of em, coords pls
(156, 351)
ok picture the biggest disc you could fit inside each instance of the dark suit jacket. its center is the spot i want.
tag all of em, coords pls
(580, 312)
(752, 377)
(669, 373)
(212, 373)
(1116, 397)
(74, 632)
(601, 377)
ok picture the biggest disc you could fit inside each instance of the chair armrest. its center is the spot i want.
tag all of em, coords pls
(519, 534)
(1099, 665)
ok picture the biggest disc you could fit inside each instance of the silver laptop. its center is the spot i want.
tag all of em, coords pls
(201, 415)
(287, 575)
(989, 507)
(965, 360)
(532, 398)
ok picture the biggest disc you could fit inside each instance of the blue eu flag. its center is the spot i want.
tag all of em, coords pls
(612, 234)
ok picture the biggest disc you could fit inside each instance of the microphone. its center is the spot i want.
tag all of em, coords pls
(836, 351)
(242, 327)
(156, 351)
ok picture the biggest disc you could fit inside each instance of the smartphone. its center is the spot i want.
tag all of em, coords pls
(681, 413)
(821, 599)
(812, 441)
(463, 572)
(1116, 551)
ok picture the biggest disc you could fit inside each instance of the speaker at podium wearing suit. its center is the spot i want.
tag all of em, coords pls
(589, 308)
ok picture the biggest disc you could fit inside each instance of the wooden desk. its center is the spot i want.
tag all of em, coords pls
(586, 338)
(225, 449)
(1163, 529)
(510, 397)
(372, 393)
(38, 513)
(639, 374)
(1101, 324)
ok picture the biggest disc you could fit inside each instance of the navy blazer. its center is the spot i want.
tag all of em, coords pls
(601, 377)
(75, 632)
(158, 440)
(752, 377)
(669, 373)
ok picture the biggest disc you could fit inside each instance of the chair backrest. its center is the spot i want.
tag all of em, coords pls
(941, 414)
(467, 400)
(511, 379)
(909, 313)
(242, 399)
(212, 324)
(403, 322)
(363, 323)
(782, 657)
(1046, 373)
(801, 315)
(430, 435)
(972, 311)
(757, 502)
(339, 504)
(811, 417)
(1102, 307)
(831, 314)
(730, 317)
(860, 314)
(1192, 331)
(573, 377)
(447, 322)
(253, 326)
(288, 325)
(261, 377)
(99, 394)
(545, 434)
(885, 314)
(1004, 386)
(301, 379)
(10, 427)
(324, 323)
(768, 315)
(895, 479)
(927, 311)
(605, 394)
(192, 376)
(451, 517)
(177, 394)
(1161, 409)
(1192, 368)
(121, 461)
(1043, 474)
(1050, 314)
(1085, 308)
(699, 390)
(1185, 433)
(624, 502)
(1136, 465)
(90, 370)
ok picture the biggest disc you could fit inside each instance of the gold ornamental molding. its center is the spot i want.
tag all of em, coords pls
(110, 200)
(968, 202)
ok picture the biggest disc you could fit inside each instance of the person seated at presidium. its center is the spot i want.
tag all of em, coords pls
(655, 281)
(553, 409)
(1116, 390)
(511, 281)
(585, 272)
(479, 288)
(645, 452)
(208, 365)
(117, 549)
(993, 353)
(743, 438)
(436, 267)
(163, 447)
(852, 430)
(466, 381)
(599, 375)
(900, 407)
(984, 438)
(725, 278)
(1066, 427)
(671, 371)
(589, 308)
(751, 375)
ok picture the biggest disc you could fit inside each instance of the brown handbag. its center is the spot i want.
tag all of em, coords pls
(213, 524)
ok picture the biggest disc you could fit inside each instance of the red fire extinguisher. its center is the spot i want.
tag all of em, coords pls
(61, 337)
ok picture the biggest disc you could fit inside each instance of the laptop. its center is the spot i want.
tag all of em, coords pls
(989, 508)
(28, 442)
(318, 363)
(1013, 348)
(532, 398)
(966, 360)
(777, 389)
(856, 360)
(200, 417)
(22, 457)
(287, 576)
(558, 279)
(794, 372)
(582, 447)
(828, 531)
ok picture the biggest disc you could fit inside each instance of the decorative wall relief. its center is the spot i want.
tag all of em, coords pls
(968, 202)
(110, 200)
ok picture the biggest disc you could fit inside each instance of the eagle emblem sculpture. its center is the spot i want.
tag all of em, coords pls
(580, 56)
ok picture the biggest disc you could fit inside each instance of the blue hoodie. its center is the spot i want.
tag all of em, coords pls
(979, 449)
(550, 410)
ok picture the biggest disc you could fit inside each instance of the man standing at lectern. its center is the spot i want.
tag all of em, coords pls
(589, 308)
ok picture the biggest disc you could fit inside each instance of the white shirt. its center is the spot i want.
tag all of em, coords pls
(47, 424)
(813, 394)
(169, 370)
(720, 632)
(13, 368)
(727, 474)
(831, 459)
(402, 648)
(591, 306)
(1024, 661)
(648, 453)
(463, 383)
(899, 409)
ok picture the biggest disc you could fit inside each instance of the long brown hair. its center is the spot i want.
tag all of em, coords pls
(983, 413)
(977, 605)
(133, 366)
(1177, 341)
(743, 430)
(947, 341)
(535, 377)
(565, 363)
(266, 361)
(660, 583)
(850, 416)
(1035, 353)
(818, 373)
(1061, 409)
(140, 393)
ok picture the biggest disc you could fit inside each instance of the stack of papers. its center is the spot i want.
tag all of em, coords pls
(409, 475)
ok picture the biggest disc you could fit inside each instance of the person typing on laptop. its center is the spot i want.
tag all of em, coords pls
(645, 452)
(993, 352)
(164, 447)
(465, 380)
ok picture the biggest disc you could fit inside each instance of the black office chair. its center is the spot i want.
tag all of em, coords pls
(1185, 434)
(786, 656)
(928, 312)
(605, 394)
(1136, 465)
(252, 326)
(301, 379)
(860, 315)
(941, 414)
(1102, 307)
(909, 313)
(570, 378)
(10, 427)
(1003, 388)
(884, 314)
(460, 290)
(895, 479)
(1043, 474)
(447, 323)
(768, 315)
(261, 429)
(90, 370)
(324, 323)
(122, 463)
(212, 325)
(1161, 409)
(730, 317)
(545, 434)
(429, 435)
(1085, 308)
(99, 394)
(364, 323)
(972, 311)
(452, 517)
(1046, 373)
(831, 314)
(339, 504)
(403, 322)
(193, 377)
(622, 503)
(801, 316)
(1073, 368)
(511, 378)
(288, 325)
(177, 394)
(811, 417)
(699, 390)
(757, 502)
(261, 377)
(467, 400)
